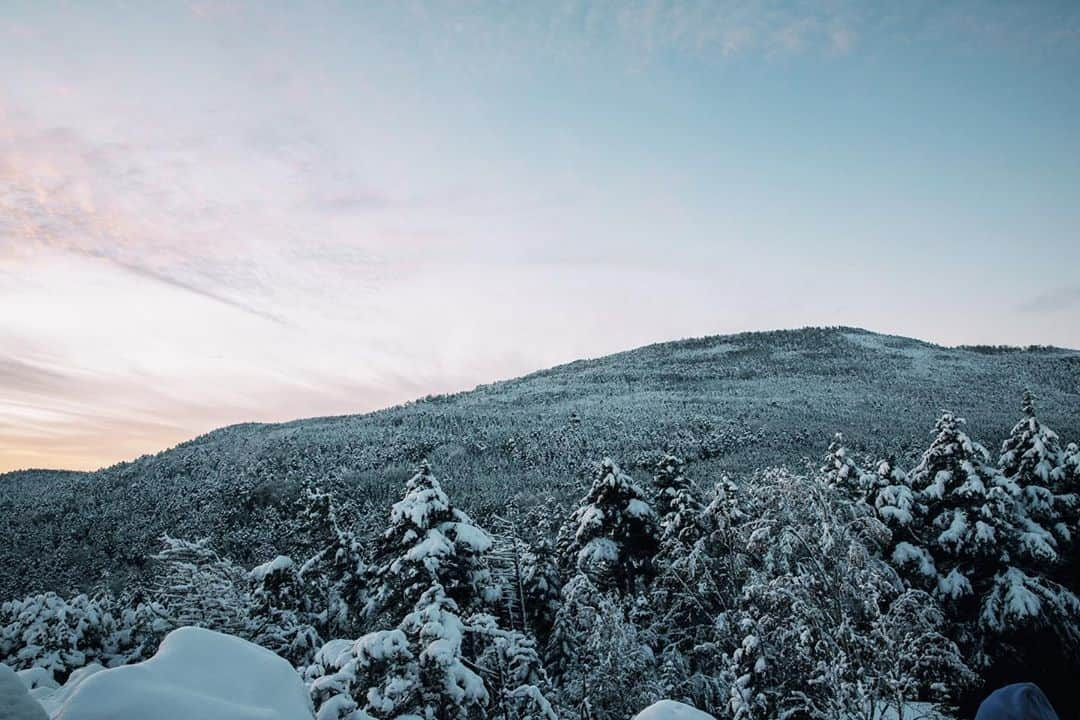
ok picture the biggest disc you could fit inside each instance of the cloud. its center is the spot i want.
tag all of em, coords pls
(1066, 298)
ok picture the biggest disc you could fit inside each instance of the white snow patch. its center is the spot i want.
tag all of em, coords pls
(196, 673)
(15, 701)
(672, 710)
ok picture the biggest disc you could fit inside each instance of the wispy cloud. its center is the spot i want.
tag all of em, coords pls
(1061, 299)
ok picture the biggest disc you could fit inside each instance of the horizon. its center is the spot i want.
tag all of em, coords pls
(223, 212)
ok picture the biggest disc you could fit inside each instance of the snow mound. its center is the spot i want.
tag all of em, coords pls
(15, 701)
(196, 673)
(672, 710)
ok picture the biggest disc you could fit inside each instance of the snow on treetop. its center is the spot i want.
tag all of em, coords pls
(278, 564)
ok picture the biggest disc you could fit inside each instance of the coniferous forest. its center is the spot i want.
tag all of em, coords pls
(852, 587)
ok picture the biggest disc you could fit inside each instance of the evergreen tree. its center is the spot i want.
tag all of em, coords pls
(280, 615)
(613, 535)
(335, 577)
(431, 542)
(970, 508)
(669, 481)
(1032, 458)
(598, 659)
(513, 672)
(542, 583)
(416, 669)
(984, 553)
(840, 471)
(896, 504)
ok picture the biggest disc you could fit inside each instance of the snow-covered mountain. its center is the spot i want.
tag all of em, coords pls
(729, 403)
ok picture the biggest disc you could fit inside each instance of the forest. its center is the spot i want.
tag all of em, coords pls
(853, 588)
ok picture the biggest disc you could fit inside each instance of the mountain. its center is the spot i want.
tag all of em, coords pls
(729, 403)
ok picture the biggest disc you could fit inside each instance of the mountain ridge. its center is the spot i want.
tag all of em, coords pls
(978, 348)
(730, 403)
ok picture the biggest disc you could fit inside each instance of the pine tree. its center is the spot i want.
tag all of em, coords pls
(840, 471)
(280, 615)
(613, 535)
(985, 551)
(512, 668)
(335, 577)
(430, 541)
(1032, 458)
(669, 481)
(896, 504)
(1069, 494)
(542, 583)
(970, 508)
(416, 669)
(598, 659)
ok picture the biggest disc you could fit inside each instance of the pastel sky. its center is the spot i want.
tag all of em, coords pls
(215, 212)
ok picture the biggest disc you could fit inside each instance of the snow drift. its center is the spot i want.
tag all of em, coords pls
(15, 702)
(672, 710)
(196, 673)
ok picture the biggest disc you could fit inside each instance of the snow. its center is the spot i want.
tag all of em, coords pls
(196, 673)
(15, 701)
(281, 562)
(639, 509)
(469, 536)
(598, 551)
(954, 585)
(672, 710)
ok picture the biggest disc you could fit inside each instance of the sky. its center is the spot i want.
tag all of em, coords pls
(220, 211)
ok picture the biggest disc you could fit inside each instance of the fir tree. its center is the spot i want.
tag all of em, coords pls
(431, 542)
(335, 577)
(840, 471)
(1032, 458)
(280, 615)
(984, 552)
(541, 586)
(612, 536)
(669, 481)
(416, 669)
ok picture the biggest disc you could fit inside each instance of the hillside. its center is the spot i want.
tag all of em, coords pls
(729, 404)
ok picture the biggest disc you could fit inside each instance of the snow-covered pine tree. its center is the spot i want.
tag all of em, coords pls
(57, 635)
(416, 669)
(669, 480)
(970, 508)
(984, 554)
(685, 524)
(198, 587)
(334, 579)
(840, 471)
(280, 616)
(817, 619)
(1069, 493)
(613, 535)
(429, 541)
(896, 503)
(510, 664)
(1033, 459)
(541, 585)
(601, 665)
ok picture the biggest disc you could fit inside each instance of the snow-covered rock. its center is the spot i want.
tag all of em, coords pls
(15, 701)
(196, 673)
(672, 710)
